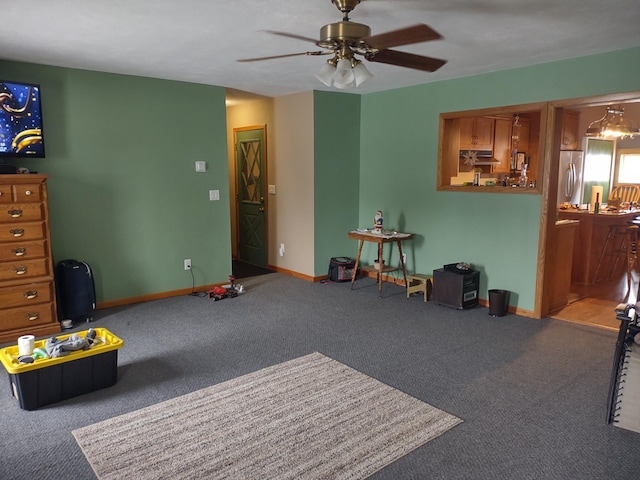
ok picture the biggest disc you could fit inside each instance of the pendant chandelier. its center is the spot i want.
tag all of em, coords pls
(613, 124)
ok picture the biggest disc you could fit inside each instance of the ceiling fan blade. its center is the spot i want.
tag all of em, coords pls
(292, 35)
(257, 59)
(404, 36)
(408, 60)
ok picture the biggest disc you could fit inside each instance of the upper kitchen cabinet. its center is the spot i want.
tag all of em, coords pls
(495, 150)
(476, 133)
(508, 142)
(570, 136)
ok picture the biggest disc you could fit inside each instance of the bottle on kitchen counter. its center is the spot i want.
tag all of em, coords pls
(596, 206)
(523, 176)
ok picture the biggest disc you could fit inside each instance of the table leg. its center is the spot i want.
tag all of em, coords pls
(404, 269)
(354, 274)
(381, 268)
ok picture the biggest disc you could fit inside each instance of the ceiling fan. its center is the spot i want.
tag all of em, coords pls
(346, 39)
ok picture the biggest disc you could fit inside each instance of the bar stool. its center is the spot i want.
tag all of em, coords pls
(418, 283)
(620, 244)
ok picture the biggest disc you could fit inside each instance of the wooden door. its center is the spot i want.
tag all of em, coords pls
(251, 186)
(570, 136)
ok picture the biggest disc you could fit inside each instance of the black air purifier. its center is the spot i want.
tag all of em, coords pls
(455, 288)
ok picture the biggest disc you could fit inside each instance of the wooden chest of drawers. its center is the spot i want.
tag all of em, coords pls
(27, 290)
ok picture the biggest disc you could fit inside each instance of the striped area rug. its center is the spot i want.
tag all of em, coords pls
(308, 418)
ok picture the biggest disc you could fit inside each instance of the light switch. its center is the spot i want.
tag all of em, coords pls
(272, 189)
(201, 167)
(214, 195)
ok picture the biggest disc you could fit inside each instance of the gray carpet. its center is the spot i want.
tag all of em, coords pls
(307, 418)
(532, 393)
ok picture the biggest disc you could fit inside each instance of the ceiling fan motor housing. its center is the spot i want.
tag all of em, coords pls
(345, 6)
(342, 32)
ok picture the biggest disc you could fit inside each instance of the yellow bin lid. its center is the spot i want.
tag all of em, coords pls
(108, 341)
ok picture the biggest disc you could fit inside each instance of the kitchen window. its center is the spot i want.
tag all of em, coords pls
(493, 150)
(629, 166)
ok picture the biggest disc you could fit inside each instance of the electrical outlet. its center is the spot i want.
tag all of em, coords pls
(187, 264)
(272, 189)
(281, 250)
(201, 167)
(214, 195)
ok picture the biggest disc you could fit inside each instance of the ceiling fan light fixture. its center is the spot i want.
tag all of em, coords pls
(342, 73)
(361, 73)
(613, 124)
(344, 76)
(325, 74)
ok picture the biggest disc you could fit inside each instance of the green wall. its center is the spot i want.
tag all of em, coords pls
(124, 195)
(336, 118)
(497, 234)
(123, 192)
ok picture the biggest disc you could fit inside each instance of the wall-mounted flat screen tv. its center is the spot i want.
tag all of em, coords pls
(20, 121)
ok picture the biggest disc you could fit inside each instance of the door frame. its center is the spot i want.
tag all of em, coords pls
(550, 183)
(236, 229)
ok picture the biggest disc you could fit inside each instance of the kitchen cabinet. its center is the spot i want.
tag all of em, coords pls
(570, 134)
(523, 143)
(502, 146)
(558, 278)
(592, 235)
(476, 133)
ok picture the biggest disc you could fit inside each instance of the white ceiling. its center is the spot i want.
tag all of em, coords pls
(200, 40)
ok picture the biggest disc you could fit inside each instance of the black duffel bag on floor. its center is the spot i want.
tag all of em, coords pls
(341, 269)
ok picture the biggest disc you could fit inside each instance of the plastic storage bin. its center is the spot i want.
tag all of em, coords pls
(51, 380)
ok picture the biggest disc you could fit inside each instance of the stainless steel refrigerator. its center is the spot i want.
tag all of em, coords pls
(570, 176)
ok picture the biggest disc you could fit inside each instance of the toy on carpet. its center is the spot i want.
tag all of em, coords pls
(226, 291)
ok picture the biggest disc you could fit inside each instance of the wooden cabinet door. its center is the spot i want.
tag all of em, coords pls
(483, 130)
(476, 133)
(523, 144)
(502, 146)
(466, 134)
(570, 136)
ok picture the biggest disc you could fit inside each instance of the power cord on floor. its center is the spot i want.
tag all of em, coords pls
(193, 286)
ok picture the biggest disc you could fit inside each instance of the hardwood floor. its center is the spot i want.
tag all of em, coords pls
(595, 304)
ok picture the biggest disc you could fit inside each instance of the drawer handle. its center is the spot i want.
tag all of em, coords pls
(28, 192)
(15, 213)
(32, 316)
(31, 294)
(17, 232)
(21, 270)
(19, 252)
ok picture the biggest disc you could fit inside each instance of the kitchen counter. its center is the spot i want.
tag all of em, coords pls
(591, 236)
(558, 277)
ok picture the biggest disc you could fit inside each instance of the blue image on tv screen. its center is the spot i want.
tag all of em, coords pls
(20, 120)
